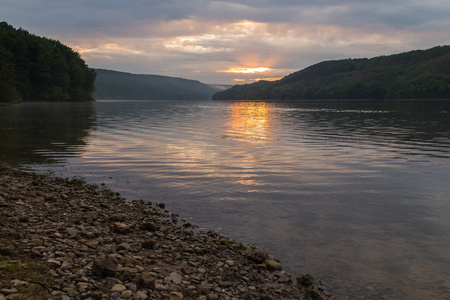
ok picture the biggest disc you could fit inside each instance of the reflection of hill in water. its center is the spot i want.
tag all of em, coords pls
(31, 132)
(422, 127)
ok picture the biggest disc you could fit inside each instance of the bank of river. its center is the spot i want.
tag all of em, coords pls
(94, 244)
(353, 192)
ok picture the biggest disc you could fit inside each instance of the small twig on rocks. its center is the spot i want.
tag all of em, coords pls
(44, 285)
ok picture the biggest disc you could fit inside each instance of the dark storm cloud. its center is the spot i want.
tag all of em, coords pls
(121, 15)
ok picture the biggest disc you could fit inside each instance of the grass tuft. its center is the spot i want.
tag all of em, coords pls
(35, 273)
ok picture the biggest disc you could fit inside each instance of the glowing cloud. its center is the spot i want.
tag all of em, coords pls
(257, 79)
(246, 70)
(105, 49)
(267, 79)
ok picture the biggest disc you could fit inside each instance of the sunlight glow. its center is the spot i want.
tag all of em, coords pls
(246, 70)
(249, 121)
(267, 79)
(257, 79)
(105, 49)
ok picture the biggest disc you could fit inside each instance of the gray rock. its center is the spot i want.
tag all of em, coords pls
(230, 263)
(53, 263)
(132, 287)
(110, 282)
(105, 266)
(118, 288)
(213, 296)
(126, 294)
(175, 278)
(161, 287)
(203, 289)
(72, 292)
(69, 256)
(148, 226)
(72, 231)
(176, 296)
(225, 284)
(7, 250)
(8, 291)
(117, 217)
(148, 244)
(123, 246)
(140, 295)
(146, 280)
(258, 257)
(272, 265)
(92, 243)
(120, 228)
(17, 282)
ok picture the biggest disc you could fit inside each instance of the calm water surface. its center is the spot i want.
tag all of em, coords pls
(354, 193)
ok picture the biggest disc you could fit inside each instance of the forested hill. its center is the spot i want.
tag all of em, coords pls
(420, 74)
(36, 68)
(114, 85)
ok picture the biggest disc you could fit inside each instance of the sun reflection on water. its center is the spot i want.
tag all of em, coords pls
(249, 122)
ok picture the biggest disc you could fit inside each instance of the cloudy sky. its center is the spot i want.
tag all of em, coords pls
(231, 41)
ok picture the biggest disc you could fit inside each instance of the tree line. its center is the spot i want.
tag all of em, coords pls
(419, 74)
(36, 68)
(114, 85)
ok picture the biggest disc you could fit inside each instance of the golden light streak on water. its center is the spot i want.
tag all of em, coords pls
(249, 122)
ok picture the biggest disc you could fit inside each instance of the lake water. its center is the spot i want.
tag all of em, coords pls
(356, 193)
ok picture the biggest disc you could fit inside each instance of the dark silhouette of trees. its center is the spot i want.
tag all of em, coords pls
(419, 74)
(36, 68)
(114, 85)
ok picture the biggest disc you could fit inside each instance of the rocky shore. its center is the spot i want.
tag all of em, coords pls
(65, 239)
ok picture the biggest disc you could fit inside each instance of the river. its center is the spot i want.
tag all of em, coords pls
(355, 193)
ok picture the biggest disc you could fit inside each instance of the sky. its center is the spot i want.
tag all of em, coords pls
(230, 41)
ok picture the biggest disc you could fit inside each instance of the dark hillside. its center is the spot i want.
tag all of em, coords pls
(36, 68)
(419, 74)
(113, 85)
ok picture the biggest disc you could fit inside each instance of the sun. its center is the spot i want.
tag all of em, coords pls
(243, 70)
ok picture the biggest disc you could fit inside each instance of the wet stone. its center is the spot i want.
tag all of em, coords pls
(272, 264)
(258, 257)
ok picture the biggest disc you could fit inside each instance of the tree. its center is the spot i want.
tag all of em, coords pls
(35, 68)
(420, 74)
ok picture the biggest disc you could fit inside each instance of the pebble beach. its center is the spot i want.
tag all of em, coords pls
(94, 244)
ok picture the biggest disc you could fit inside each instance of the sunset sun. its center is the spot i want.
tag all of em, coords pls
(242, 70)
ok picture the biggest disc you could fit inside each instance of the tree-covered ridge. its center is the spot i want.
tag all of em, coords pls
(419, 74)
(114, 85)
(36, 68)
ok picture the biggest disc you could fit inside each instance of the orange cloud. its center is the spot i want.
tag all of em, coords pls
(257, 79)
(267, 79)
(245, 70)
(106, 48)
